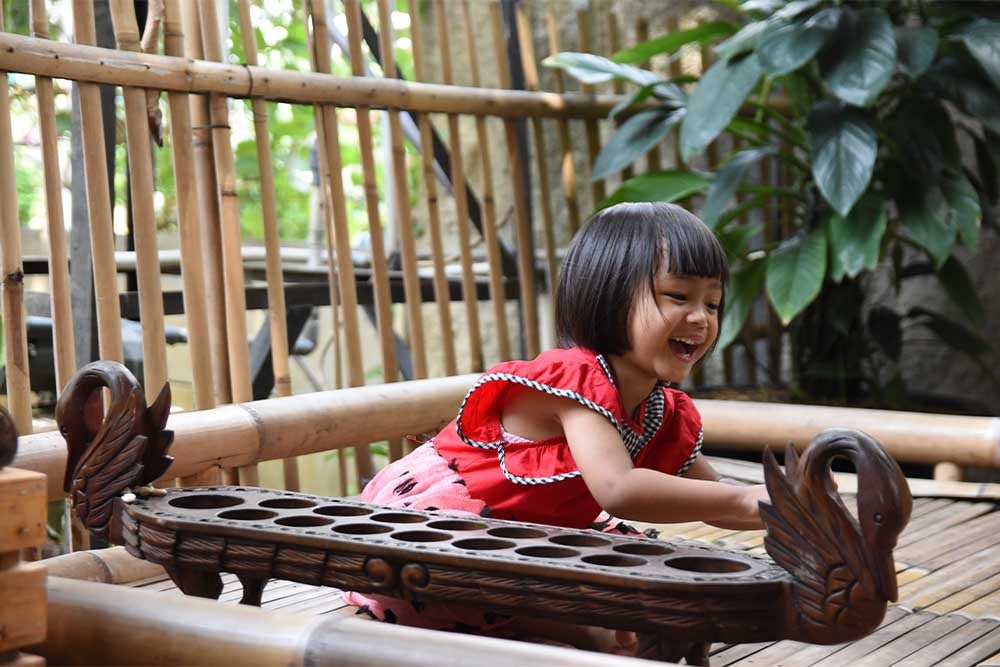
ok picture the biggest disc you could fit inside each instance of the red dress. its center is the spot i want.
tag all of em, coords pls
(474, 466)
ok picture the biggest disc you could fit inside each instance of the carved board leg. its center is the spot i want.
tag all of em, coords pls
(660, 647)
(197, 582)
(253, 588)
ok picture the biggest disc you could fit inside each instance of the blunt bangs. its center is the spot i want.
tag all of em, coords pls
(618, 252)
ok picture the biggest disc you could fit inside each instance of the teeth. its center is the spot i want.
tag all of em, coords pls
(686, 341)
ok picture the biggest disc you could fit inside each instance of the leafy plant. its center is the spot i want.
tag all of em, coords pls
(866, 105)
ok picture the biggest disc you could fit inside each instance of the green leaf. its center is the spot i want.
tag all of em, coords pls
(929, 225)
(982, 39)
(923, 160)
(665, 186)
(796, 87)
(951, 332)
(633, 139)
(787, 46)
(963, 206)
(590, 69)
(638, 96)
(883, 325)
(961, 290)
(855, 240)
(844, 147)
(744, 40)
(727, 181)
(966, 87)
(703, 33)
(734, 238)
(744, 285)
(988, 163)
(715, 101)
(915, 49)
(863, 57)
(795, 273)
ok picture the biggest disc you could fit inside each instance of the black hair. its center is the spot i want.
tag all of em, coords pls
(620, 248)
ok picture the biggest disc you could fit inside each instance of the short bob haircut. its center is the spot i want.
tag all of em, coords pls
(619, 251)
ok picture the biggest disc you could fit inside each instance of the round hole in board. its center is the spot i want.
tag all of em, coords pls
(342, 510)
(516, 532)
(706, 564)
(483, 544)
(545, 551)
(247, 515)
(204, 501)
(573, 540)
(287, 503)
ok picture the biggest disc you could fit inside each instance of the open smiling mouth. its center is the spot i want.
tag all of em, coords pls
(684, 348)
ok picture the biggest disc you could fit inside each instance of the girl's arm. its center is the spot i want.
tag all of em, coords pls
(641, 494)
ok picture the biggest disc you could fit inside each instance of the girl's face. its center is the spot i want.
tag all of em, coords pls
(672, 328)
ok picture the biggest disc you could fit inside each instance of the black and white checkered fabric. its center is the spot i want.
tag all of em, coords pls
(634, 442)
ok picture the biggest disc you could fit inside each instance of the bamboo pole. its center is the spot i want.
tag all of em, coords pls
(383, 303)
(567, 169)
(411, 281)
(323, 421)
(597, 189)
(102, 239)
(525, 244)
(641, 35)
(148, 628)
(441, 291)
(107, 566)
(469, 295)
(93, 64)
(192, 262)
(618, 87)
(140, 164)
(232, 258)
(491, 235)
(345, 267)
(62, 316)
(208, 223)
(531, 82)
(14, 333)
(272, 242)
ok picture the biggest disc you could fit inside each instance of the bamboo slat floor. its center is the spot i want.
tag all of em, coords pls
(948, 568)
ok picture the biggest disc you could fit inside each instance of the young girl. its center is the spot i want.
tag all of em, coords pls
(593, 425)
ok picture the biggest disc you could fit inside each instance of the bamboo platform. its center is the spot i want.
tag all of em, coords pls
(948, 568)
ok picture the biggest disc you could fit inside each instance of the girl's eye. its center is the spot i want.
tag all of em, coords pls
(676, 296)
(713, 307)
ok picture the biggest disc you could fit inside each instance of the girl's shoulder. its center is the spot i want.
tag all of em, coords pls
(560, 372)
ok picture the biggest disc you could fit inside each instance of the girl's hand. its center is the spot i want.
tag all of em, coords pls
(752, 496)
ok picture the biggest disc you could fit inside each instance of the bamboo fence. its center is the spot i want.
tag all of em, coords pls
(483, 181)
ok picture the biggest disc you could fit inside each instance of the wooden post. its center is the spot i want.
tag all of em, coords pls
(597, 190)
(345, 267)
(441, 292)
(22, 526)
(491, 236)
(140, 163)
(568, 170)
(531, 82)
(232, 255)
(102, 244)
(461, 203)
(525, 244)
(207, 222)
(272, 243)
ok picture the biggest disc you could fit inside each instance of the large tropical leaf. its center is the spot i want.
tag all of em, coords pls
(963, 206)
(727, 181)
(745, 40)
(795, 273)
(855, 240)
(715, 101)
(735, 238)
(982, 39)
(590, 69)
(844, 147)
(787, 46)
(703, 33)
(961, 290)
(861, 64)
(665, 186)
(915, 49)
(965, 86)
(924, 160)
(929, 225)
(633, 139)
(744, 286)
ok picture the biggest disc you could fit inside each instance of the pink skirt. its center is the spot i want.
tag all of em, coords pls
(423, 480)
